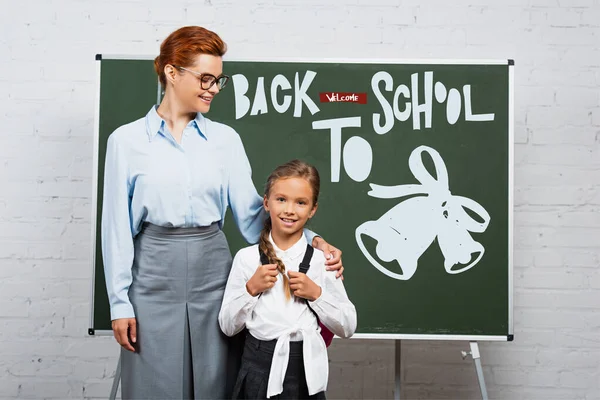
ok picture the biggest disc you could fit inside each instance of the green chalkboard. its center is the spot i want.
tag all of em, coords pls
(416, 178)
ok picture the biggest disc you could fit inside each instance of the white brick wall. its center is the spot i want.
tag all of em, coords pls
(47, 88)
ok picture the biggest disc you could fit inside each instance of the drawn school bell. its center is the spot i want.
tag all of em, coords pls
(407, 230)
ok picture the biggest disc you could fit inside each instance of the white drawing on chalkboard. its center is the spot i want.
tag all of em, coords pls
(406, 231)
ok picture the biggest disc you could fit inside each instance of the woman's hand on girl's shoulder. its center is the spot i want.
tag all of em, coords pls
(333, 256)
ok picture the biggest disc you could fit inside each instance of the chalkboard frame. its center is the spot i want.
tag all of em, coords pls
(510, 63)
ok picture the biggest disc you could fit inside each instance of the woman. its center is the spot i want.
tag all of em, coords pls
(169, 178)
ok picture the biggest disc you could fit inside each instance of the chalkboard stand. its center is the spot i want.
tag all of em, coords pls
(397, 369)
(116, 380)
(477, 358)
(473, 353)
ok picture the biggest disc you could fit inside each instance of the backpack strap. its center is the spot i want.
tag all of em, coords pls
(263, 257)
(305, 264)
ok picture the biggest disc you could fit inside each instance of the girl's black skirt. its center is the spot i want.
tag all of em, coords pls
(253, 379)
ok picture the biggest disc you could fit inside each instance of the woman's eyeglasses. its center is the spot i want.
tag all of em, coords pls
(207, 80)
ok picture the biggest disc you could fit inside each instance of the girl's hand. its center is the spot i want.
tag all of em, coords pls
(302, 286)
(263, 279)
(332, 254)
(125, 331)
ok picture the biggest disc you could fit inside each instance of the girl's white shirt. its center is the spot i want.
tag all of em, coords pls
(271, 316)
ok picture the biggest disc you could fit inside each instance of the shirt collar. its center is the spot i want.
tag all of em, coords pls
(298, 249)
(155, 124)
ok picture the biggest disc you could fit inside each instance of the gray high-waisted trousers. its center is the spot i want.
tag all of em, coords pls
(179, 277)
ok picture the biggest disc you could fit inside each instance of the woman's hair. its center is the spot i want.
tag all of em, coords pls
(292, 169)
(182, 46)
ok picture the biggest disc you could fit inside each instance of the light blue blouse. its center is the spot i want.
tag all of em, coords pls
(149, 177)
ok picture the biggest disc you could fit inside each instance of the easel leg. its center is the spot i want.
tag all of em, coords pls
(397, 369)
(477, 358)
(116, 380)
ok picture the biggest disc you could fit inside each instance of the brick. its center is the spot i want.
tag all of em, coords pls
(464, 375)
(556, 35)
(590, 18)
(565, 258)
(77, 326)
(37, 366)
(571, 360)
(76, 230)
(439, 392)
(81, 168)
(594, 281)
(558, 155)
(8, 388)
(566, 195)
(40, 207)
(44, 269)
(534, 338)
(588, 219)
(65, 187)
(79, 289)
(538, 96)
(494, 37)
(163, 14)
(551, 319)
(543, 3)
(194, 14)
(95, 348)
(521, 377)
(521, 134)
(97, 388)
(568, 135)
(35, 290)
(544, 175)
(60, 307)
(580, 379)
(40, 348)
(40, 328)
(82, 209)
(550, 279)
(81, 310)
(56, 388)
(90, 370)
(503, 392)
(405, 17)
(357, 351)
(75, 251)
(546, 74)
(577, 3)
(505, 355)
(557, 17)
(431, 353)
(18, 307)
(585, 97)
(560, 299)
(548, 117)
(578, 339)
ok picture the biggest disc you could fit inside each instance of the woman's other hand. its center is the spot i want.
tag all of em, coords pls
(125, 331)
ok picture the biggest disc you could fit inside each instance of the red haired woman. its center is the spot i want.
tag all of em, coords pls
(169, 178)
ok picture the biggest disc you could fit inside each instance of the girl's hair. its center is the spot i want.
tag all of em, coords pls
(292, 169)
(182, 46)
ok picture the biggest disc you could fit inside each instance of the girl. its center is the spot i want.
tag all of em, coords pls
(169, 179)
(284, 354)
